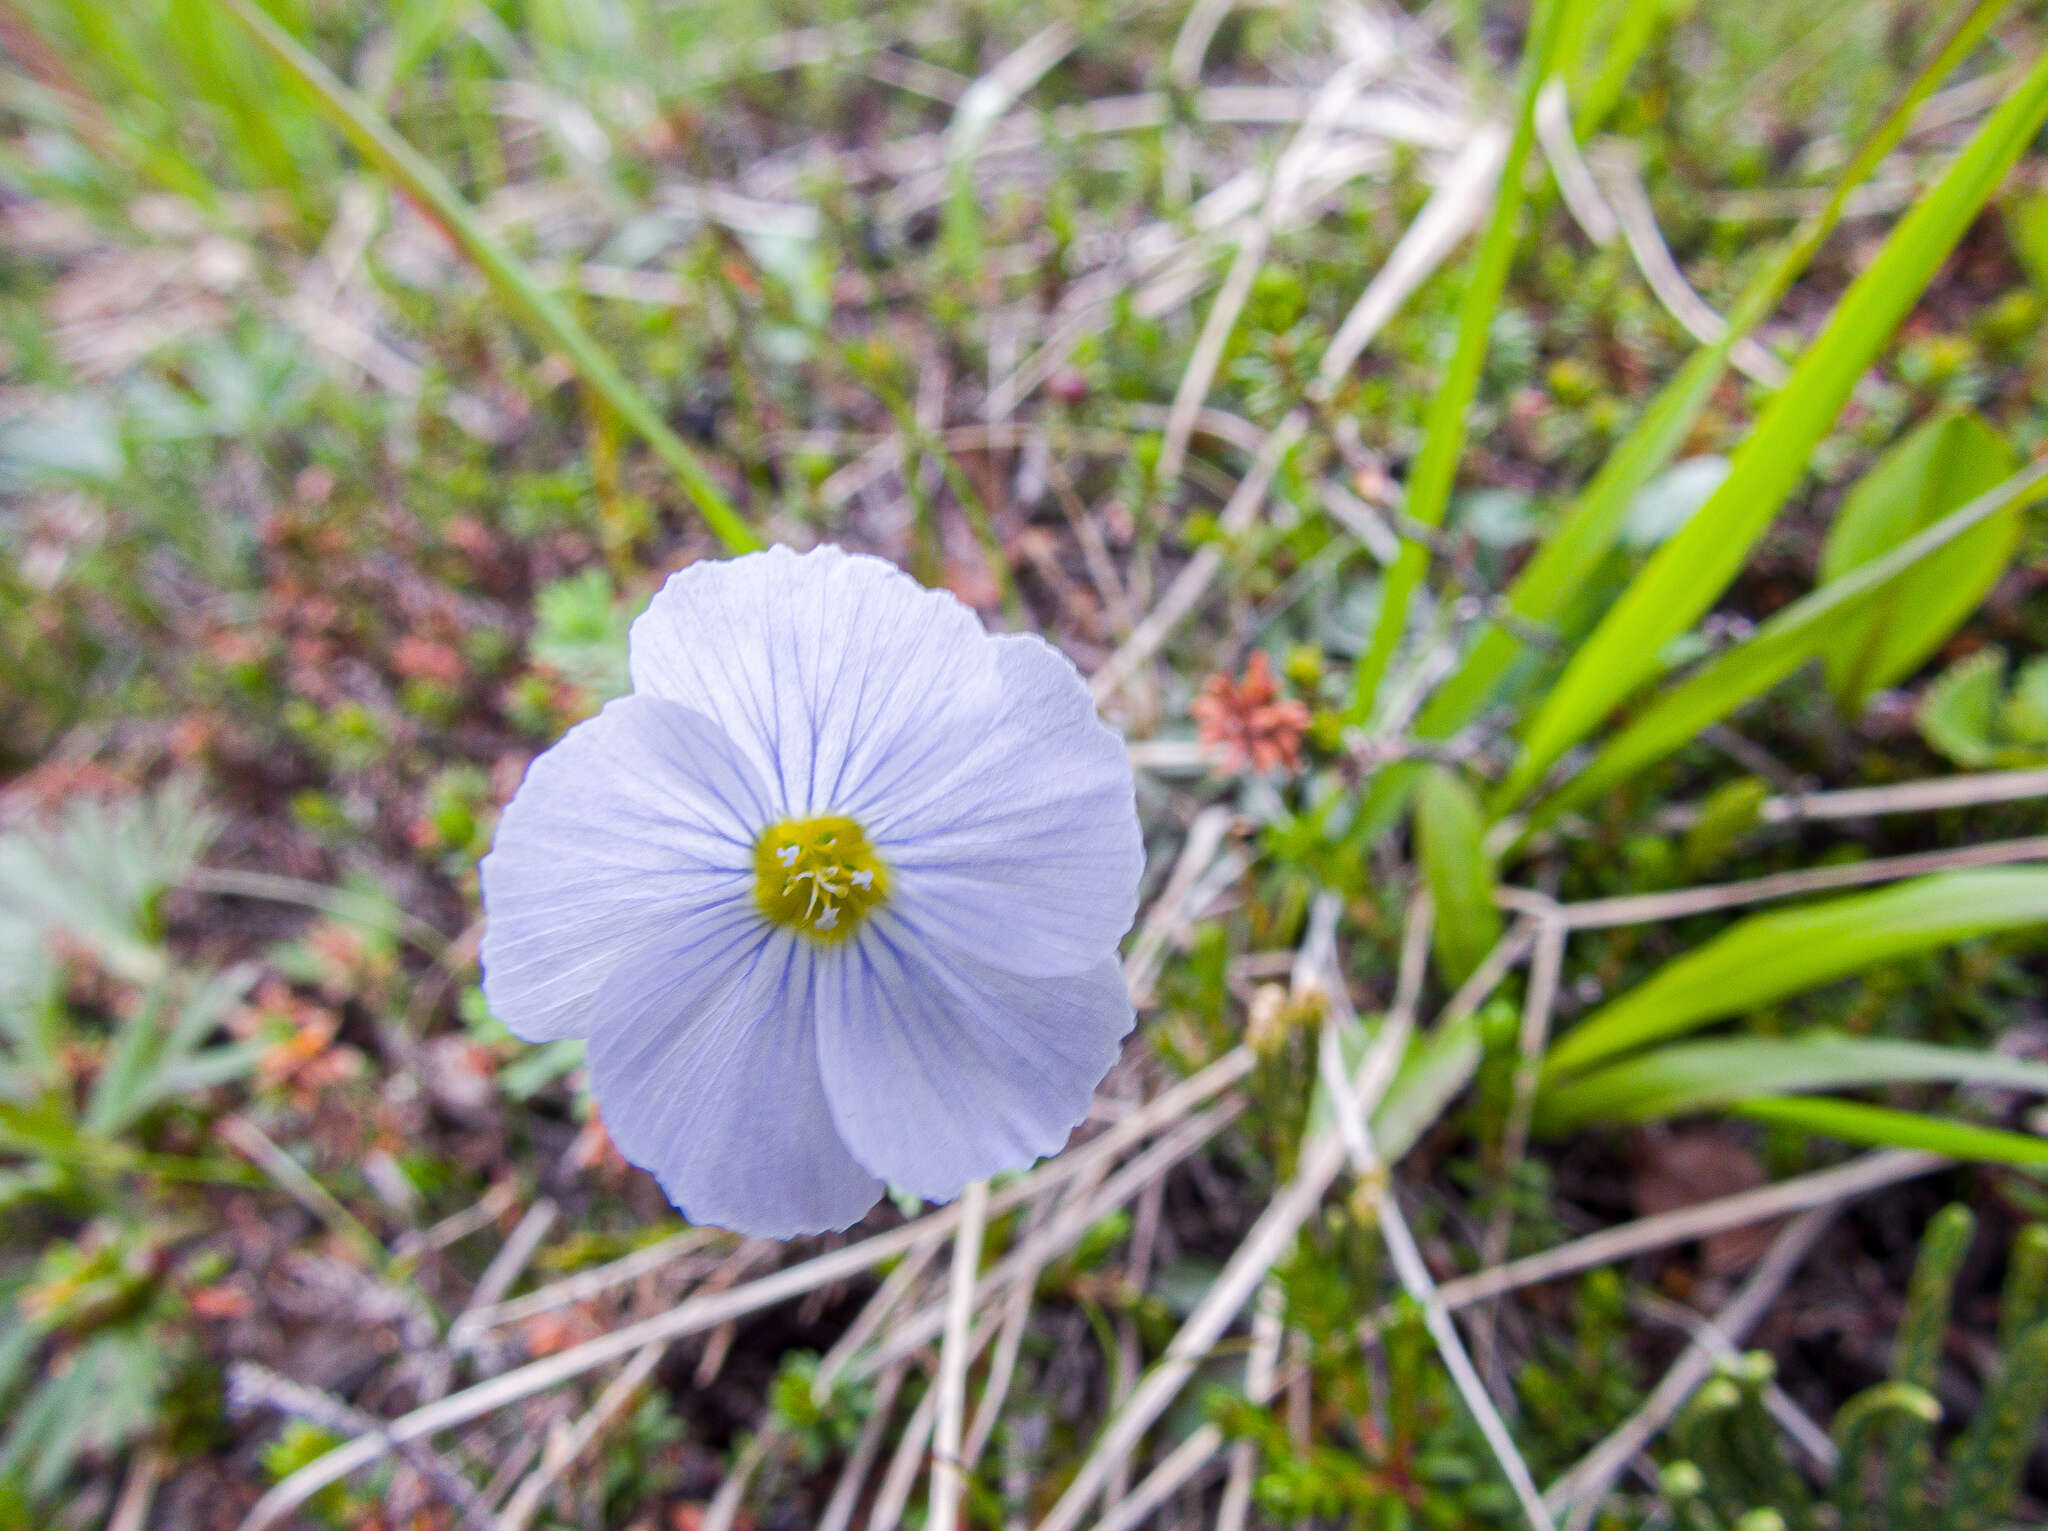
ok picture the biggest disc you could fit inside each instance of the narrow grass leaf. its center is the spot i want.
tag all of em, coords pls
(377, 142)
(1450, 831)
(1682, 581)
(1801, 632)
(1852, 1121)
(1698, 1076)
(1589, 526)
(1428, 490)
(1767, 957)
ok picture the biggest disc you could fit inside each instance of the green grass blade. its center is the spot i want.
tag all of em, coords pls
(1683, 580)
(1805, 630)
(1883, 1127)
(1450, 832)
(377, 142)
(1698, 1076)
(1587, 530)
(1428, 492)
(1767, 957)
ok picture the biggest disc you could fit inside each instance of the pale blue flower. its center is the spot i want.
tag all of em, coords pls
(835, 894)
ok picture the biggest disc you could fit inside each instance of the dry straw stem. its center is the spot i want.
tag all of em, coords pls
(1630, 206)
(1193, 581)
(1822, 1188)
(1414, 1275)
(474, 1322)
(1581, 1489)
(948, 1473)
(1797, 1423)
(1545, 965)
(708, 1311)
(1574, 178)
(1322, 1157)
(1643, 909)
(1261, 1368)
(1022, 1264)
(726, 1504)
(561, 1452)
(1932, 796)
(1288, 175)
(854, 1476)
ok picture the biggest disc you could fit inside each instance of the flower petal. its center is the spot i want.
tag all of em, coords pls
(942, 1069)
(1027, 852)
(839, 676)
(639, 825)
(710, 1081)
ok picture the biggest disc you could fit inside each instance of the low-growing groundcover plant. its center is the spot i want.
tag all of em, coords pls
(1543, 498)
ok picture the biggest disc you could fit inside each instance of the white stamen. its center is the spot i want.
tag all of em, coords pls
(826, 920)
(864, 879)
(787, 855)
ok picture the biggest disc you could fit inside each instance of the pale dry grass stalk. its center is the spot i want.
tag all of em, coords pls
(697, 1314)
(1647, 908)
(948, 1473)
(561, 1453)
(1631, 205)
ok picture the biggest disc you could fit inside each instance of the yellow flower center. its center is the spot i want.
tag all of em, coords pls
(818, 876)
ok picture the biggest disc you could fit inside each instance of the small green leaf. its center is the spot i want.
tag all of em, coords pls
(2026, 227)
(2025, 714)
(1450, 832)
(1685, 577)
(1730, 812)
(1959, 714)
(1883, 1127)
(1944, 464)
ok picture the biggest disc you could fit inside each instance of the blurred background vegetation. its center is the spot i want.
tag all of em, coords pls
(1595, 601)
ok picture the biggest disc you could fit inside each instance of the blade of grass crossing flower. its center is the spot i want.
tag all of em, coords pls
(1428, 491)
(1689, 573)
(1803, 631)
(1697, 1076)
(1587, 530)
(1767, 957)
(376, 141)
(1882, 1126)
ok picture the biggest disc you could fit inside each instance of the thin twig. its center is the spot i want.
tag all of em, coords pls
(1931, 796)
(470, 1327)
